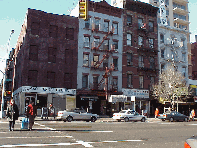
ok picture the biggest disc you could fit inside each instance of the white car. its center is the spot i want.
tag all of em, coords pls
(76, 114)
(128, 115)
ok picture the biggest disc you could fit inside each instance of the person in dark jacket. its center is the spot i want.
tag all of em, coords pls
(12, 114)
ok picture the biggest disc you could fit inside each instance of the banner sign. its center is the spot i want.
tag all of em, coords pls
(117, 98)
(136, 92)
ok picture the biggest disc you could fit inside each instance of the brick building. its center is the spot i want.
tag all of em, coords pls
(140, 52)
(45, 61)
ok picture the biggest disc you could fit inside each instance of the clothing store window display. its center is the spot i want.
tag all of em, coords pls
(12, 114)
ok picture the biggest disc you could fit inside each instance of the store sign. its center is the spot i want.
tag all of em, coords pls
(195, 99)
(117, 98)
(136, 92)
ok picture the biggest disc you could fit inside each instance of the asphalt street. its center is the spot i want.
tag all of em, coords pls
(79, 134)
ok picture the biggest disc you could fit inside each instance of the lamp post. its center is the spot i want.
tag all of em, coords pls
(4, 78)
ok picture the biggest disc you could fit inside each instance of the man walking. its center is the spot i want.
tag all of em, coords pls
(12, 114)
(156, 113)
(30, 113)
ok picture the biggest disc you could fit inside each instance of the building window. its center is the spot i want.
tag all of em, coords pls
(86, 60)
(86, 41)
(129, 20)
(141, 61)
(141, 81)
(50, 79)
(70, 33)
(151, 43)
(85, 81)
(140, 41)
(53, 31)
(184, 71)
(68, 80)
(33, 53)
(162, 67)
(106, 26)
(115, 26)
(151, 26)
(97, 24)
(161, 38)
(96, 42)
(129, 39)
(184, 57)
(87, 24)
(140, 23)
(106, 45)
(152, 62)
(35, 28)
(115, 45)
(68, 57)
(95, 59)
(129, 81)
(152, 82)
(52, 54)
(32, 77)
(115, 84)
(105, 63)
(115, 62)
(129, 59)
(95, 82)
(162, 53)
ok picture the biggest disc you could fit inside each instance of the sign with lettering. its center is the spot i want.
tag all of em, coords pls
(136, 92)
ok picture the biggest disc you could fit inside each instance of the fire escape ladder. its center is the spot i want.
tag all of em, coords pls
(98, 63)
(101, 81)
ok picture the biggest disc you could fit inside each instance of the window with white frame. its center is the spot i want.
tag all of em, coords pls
(106, 26)
(129, 59)
(85, 81)
(106, 45)
(85, 59)
(115, 26)
(184, 71)
(95, 59)
(97, 24)
(140, 41)
(151, 43)
(129, 80)
(184, 57)
(96, 42)
(141, 81)
(115, 62)
(141, 61)
(86, 41)
(129, 39)
(87, 24)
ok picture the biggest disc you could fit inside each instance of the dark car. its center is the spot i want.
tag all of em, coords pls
(176, 116)
(191, 142)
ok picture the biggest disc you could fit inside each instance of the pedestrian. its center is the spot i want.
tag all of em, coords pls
(30, 114)
(156, 113)
(193, 114)
(12, 114)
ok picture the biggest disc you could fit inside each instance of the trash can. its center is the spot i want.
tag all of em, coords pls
(25, 123)
(51, 112)
(44, 112)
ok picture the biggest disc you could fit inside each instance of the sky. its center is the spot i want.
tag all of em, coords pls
(12, 15)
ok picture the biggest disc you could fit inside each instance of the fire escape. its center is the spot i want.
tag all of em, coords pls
(105, 56)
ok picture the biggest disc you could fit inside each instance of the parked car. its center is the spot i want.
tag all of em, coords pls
(191, 142)
(76, 114)
(128, 115)
(176, 116)
(163, 116)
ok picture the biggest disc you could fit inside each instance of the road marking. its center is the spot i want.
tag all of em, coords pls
(192, 124)
(102, 131)
(85, 144)
(166, 123)
(36, 137)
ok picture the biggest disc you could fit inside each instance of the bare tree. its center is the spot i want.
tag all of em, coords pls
(171, 84)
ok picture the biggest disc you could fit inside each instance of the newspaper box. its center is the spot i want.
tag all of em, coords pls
(44, 112)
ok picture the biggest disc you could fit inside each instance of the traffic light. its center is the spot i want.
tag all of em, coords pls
(83, 9)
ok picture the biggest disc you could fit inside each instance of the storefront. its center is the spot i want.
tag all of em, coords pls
(61, 98)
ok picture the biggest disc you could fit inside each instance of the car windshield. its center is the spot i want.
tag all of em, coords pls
(122, 111)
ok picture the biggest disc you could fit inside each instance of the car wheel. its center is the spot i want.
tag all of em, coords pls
(69, 118)
(171, 119)
(163, 119)
(143, 120)
(186, 120)
(119, 120)
(93, 119)
(126, 119)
